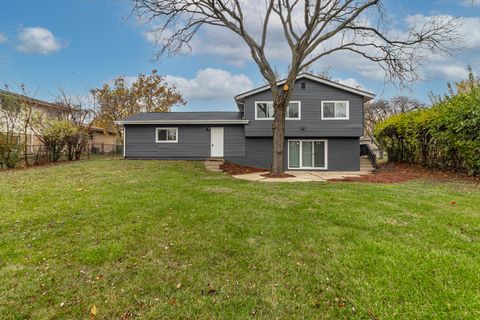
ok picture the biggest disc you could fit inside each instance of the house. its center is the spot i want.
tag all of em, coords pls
(101, 139)
(324, 123)
(50, 110)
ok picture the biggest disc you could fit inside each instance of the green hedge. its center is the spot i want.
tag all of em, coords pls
(445, 136)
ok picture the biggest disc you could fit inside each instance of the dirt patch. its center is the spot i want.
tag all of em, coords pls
(396, 173)
(235, 169)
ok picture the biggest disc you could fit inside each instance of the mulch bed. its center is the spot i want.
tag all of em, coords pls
(386, 173)
(234, 169)
(396, 173)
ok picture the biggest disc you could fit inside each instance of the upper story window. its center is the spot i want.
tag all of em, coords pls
(335, 110)
(167, 135)
(264, 110)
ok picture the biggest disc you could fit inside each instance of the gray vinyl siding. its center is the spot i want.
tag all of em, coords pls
(193, 142)
(310, 124)
(343, 154)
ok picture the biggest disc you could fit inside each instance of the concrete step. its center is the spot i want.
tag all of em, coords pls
(213, 165)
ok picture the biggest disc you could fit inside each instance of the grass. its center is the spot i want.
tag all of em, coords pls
(150, 240)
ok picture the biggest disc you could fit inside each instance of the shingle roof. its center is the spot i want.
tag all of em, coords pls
(34, 100)
(184, 117)
(365, 94)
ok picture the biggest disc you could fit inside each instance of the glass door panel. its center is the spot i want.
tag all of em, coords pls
(319, 158)
(294, 154)
(307, 154)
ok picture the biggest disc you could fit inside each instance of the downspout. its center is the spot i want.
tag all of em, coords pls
(124, 140)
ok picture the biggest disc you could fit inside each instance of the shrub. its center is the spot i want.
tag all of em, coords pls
(10, 151)
(445, 136)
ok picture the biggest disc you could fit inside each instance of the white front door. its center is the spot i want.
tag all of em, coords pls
(216, 141)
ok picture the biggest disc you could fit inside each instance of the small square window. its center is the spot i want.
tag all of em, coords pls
(265, 111)
(293, 110)
(335, 110)
(167, 135)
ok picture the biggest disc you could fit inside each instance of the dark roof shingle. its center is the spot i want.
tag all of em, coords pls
(184, 116)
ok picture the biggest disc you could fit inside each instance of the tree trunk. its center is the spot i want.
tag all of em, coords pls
(25, 147)
(278, 128)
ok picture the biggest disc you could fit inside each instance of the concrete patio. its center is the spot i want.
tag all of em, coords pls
(303, 176)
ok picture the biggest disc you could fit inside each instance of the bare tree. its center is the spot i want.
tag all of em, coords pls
(380, 109)
(312, 30)
(81, 116)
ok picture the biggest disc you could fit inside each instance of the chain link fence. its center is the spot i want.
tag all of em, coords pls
(39, 154)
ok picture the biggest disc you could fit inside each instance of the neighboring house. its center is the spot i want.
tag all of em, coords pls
(103, 140)
(324, 123)
(51, 110)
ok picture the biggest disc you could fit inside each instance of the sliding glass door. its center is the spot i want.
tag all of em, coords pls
(307, 154)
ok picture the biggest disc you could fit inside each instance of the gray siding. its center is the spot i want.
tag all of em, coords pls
(343, 153)
(193, 142)
(310, 124)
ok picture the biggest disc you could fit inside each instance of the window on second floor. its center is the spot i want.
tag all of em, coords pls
(264, 110)
(335, 110)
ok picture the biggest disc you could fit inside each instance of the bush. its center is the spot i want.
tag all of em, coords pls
(10, 151)
(445, 136)
(55, 136)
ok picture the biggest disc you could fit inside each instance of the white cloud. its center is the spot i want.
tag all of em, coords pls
(38, 40)
(214, 84)
(447, 71)
(3, 38)
(351, 82)
(468, 3)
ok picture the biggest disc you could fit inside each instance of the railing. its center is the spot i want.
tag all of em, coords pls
(365, 150)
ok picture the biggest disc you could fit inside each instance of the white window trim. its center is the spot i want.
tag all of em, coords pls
(166, 141)
(286, 115)
(334, 118)
(313, 154)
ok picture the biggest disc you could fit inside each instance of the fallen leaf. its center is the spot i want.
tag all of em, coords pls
(93, 310)
(453, 202)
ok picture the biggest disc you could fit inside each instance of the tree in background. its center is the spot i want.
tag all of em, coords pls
(148, 93)
(81, 117)
(312, 29)
(380, 109)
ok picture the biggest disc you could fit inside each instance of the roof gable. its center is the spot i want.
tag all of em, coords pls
(367, 96)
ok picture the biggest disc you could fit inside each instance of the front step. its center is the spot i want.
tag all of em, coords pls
(214, 164)
(365, 164)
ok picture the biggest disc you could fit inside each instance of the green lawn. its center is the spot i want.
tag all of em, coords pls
(151, 240)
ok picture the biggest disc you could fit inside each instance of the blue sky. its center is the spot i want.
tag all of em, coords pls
(80, 44)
